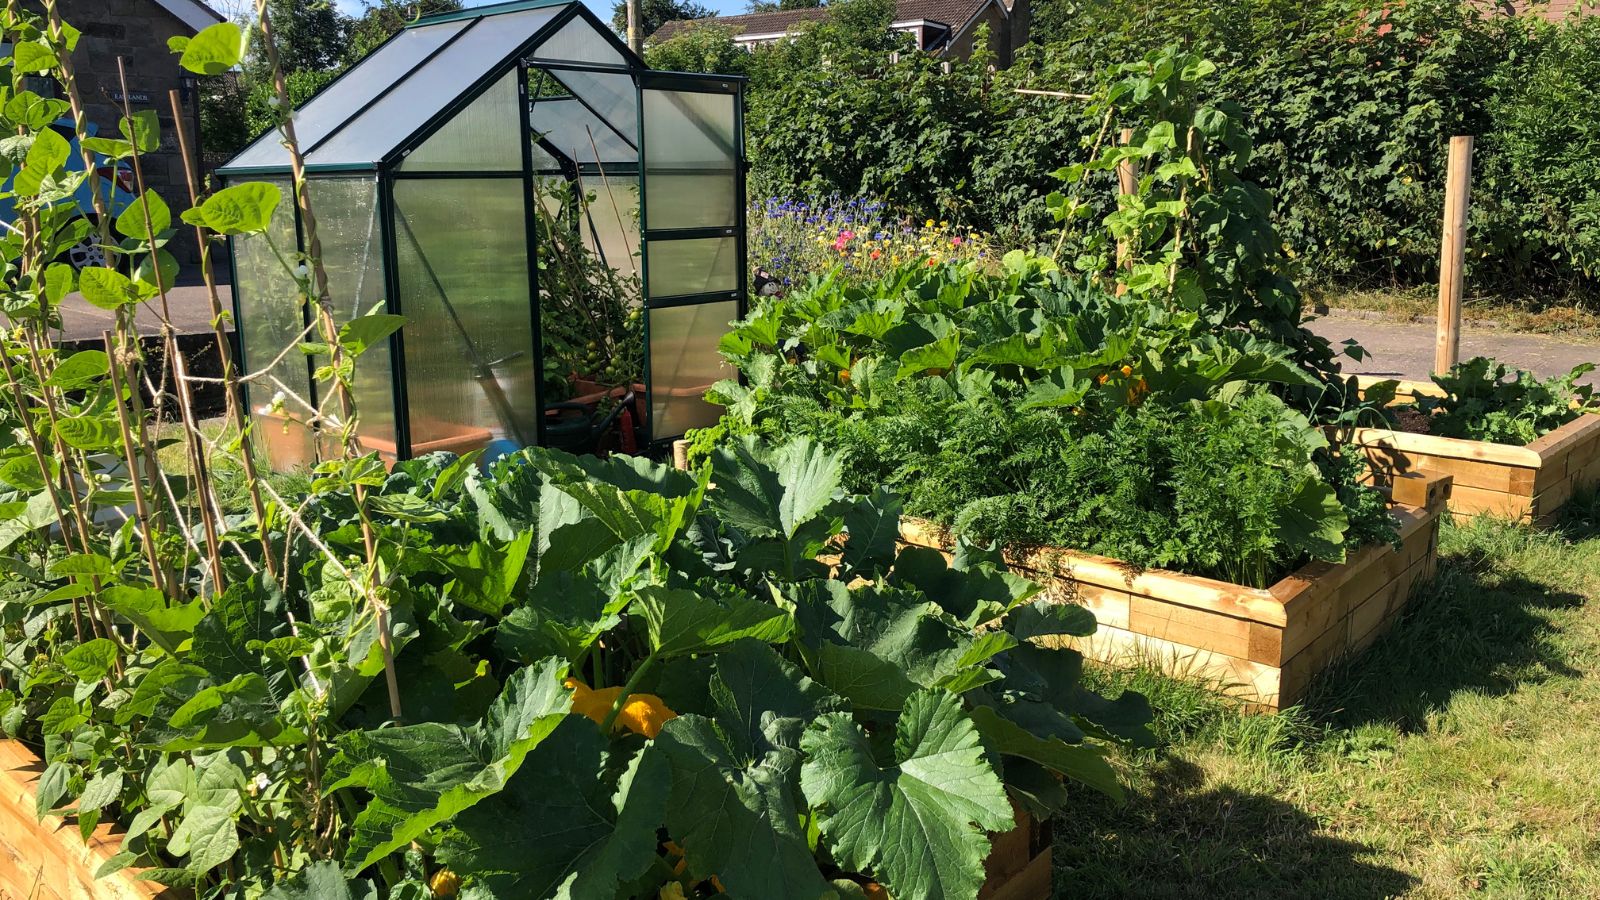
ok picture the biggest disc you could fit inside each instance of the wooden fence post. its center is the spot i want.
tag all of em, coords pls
(1127, 186)
(1127, 179)
(1452, 253)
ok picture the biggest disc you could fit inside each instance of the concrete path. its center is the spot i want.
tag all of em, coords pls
(191, 314)
(1405, 350)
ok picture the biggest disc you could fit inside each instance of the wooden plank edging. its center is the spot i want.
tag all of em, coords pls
(1264, 645)
(62, 864)
(1453, 448)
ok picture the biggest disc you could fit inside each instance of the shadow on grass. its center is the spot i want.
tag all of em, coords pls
(1478, 626)
(1179, 839)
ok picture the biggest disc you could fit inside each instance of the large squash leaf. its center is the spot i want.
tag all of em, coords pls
(565, 826)
(421, 775)
(774, 495)
(322, 881)
(679, 621)
(916, 823)
(733, 806)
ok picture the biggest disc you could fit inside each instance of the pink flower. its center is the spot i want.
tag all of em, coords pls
(955, 242)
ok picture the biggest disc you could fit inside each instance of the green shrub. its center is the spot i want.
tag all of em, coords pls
(1349, 105)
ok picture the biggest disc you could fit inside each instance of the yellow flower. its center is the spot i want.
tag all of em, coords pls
(929, 224)
(641, 713)
(672, 891)
(444, 883)
(1126, 371)
(645, 714)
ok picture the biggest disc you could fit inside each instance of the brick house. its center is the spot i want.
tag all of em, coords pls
(137, 31)
(948, 28)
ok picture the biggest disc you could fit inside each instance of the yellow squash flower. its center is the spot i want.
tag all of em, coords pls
(641, 713)
(672, 891)
(445, 883)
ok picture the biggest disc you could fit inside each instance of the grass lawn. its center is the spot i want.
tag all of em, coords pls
(1570, 316)
(1459, 756)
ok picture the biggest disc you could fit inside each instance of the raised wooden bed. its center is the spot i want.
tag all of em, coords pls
(1525, 484)
(1019, 863)
(49, 860)
(1262, 645)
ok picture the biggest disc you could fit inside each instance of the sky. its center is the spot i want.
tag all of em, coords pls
(601, 7)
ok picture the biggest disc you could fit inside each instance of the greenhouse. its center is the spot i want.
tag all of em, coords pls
(561, 228)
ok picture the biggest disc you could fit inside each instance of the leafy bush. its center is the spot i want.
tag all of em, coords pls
(1481, 405)
(1349, 106)
(1033, 408)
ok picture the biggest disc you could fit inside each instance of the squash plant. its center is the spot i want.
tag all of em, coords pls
(615, 678)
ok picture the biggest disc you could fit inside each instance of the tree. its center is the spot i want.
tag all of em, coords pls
(655, 13)
(763, 6)
(380, 20)
(706, 47)
(311, 37)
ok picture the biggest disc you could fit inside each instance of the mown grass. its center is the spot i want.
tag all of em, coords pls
(1572, 316)
(227, 474)
(1459, 756)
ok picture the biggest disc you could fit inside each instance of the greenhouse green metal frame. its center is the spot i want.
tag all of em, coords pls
(675, 138)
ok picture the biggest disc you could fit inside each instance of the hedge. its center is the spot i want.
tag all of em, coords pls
(1350, 106)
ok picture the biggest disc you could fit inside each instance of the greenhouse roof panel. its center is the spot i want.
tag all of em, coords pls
(344, 97)
(481, 49)
(363, 117)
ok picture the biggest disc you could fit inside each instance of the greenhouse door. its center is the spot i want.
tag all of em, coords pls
(692, 211)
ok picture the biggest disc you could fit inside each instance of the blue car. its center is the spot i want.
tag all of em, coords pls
(115, 183)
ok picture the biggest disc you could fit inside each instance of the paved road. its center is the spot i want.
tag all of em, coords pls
(1405, 350)
(191, 314)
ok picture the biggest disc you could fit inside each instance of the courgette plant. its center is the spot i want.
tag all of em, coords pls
(615, 677)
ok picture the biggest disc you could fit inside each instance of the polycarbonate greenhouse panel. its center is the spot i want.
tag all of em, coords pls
(691, 159)
(613, 221)
(484, 137)
(271, 319)
(352, 254)
(578, 41)
(684, 362)
(694, 266)
(336, 103)
(578, 134)
(430, 88)
(462, 266)
(611, 95)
